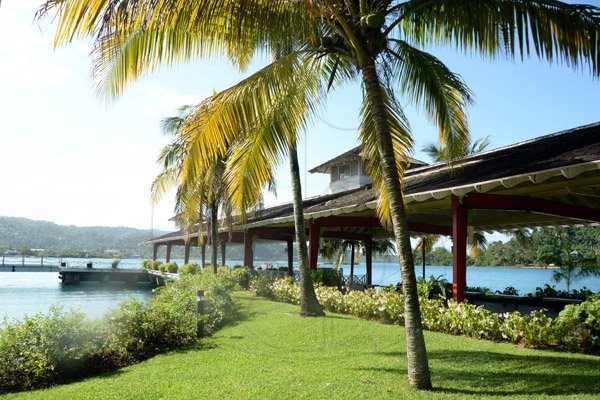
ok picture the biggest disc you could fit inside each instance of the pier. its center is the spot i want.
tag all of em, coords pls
(73, 276)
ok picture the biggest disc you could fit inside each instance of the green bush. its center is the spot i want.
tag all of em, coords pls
(579, 325)
(146, 264)
(154, 265)
(576, 329)
(261, 285)
(188, 269)
(43, 348)
(115, 263)
(326, 277)
(60, 346)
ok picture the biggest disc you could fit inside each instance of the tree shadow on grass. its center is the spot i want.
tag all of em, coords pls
(500, 374)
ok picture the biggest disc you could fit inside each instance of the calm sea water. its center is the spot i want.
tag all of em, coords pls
(24, 293)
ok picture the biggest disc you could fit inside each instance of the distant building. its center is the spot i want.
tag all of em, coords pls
(347, 171)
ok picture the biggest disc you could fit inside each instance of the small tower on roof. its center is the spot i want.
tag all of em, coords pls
(347, 170)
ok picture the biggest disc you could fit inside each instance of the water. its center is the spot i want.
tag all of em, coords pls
(525, 280)
(25, 293)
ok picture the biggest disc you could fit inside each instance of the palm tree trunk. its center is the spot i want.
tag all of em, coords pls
(309, 305)
(214, 237)
(418, 365)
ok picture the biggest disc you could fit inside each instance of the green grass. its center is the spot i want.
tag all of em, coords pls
(273, 353)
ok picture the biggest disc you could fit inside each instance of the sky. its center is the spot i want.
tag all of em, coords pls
(70, 158)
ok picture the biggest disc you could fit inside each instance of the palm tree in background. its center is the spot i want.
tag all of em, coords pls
(374, 42)
(194, 204)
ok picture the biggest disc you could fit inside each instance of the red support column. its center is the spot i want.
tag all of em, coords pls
(290, 256)
(203, 250)
(223, 251)
(168, 259)
(248, 250)
(154, 251)
(314, 235)
(460, 214)
(369, 259)
(186, 255)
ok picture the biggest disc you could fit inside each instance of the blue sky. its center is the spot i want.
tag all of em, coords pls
(67, 157)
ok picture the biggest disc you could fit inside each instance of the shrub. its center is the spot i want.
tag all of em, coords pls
(579, 326)
(261, 285)
(172, 267)
(43, 348)
(510, 290)
(188, 269)
(147, 264)
(154, 265)
(59, 346)
(162, 267)
(326, 277)
(434, 288)
(115, 263)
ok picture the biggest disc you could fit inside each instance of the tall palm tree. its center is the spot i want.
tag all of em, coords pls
(375, 42)
(193, 203)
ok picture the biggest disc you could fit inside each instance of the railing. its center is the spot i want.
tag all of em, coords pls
(352, 280)
(24, 261)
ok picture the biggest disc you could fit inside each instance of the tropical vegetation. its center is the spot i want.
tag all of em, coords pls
(317, 45)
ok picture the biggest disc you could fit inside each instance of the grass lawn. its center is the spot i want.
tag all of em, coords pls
(273, 353)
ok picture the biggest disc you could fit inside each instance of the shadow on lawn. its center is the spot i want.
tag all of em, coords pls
(499, 374)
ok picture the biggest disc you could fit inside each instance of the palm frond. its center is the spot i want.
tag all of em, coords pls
(402, 143)
(430, 85)
(551, 30)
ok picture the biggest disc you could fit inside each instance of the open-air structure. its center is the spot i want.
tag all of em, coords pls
(549, 181)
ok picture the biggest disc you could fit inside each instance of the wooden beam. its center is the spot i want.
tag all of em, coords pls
(154, 252)
(203, 251)
(340, 221)
(290, 256)
(460, 215)
(344, 235)
(430, 228)
(314, 235)
(248, 250)
(273, 230)
(168, 257)
(369, 259)
(485, 201)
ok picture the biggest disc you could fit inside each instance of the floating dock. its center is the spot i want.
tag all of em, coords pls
(73, 276)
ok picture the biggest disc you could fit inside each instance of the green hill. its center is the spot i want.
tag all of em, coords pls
(23, 234)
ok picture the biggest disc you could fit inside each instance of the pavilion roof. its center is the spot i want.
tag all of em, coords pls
(562, 167)
(355, 154)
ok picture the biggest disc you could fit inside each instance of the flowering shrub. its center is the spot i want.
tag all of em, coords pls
(577, 328)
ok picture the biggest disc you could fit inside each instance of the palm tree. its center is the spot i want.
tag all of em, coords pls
(206, 198)
(373, 41)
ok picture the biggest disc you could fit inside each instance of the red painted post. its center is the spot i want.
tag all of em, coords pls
(369, 259)
(314, 235)
(460, 214)
(248, 251)
(168, 257)
(186, 254)
(154, 251)
(290, 256)
(203, 251)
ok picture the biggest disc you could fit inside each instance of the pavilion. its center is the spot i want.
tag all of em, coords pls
(549, 181)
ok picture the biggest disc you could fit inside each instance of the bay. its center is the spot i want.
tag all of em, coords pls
(25, 293)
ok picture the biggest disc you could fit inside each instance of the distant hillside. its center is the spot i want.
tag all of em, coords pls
(23, 233)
